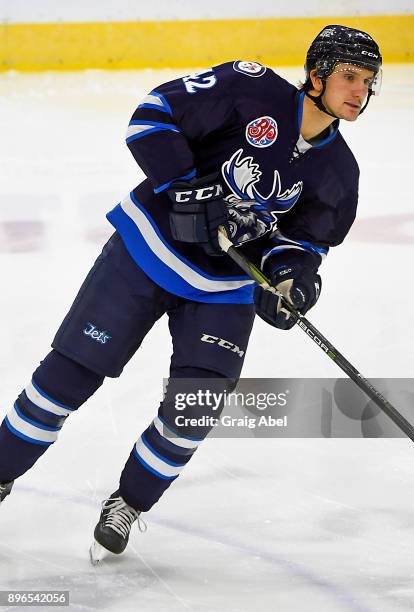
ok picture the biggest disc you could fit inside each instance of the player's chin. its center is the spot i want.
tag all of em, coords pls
(350, 112)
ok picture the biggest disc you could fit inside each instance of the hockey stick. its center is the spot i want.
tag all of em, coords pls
(364, 384)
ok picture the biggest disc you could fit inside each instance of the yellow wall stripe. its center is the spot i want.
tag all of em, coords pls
(72, 46)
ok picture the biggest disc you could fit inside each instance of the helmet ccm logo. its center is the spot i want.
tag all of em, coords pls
(369, 53)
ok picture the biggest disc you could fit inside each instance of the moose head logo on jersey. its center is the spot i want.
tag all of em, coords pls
(252, 214)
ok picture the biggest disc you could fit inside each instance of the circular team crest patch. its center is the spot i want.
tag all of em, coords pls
(261, 132)
(253, 69)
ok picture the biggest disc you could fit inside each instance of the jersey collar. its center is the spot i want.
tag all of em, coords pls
(326, 140)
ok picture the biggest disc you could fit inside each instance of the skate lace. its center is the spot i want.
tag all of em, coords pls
(120, 516)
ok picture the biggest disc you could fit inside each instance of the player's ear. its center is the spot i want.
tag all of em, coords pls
(316, 81)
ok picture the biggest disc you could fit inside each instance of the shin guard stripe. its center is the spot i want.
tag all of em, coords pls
(33, 422)
(159, 455)
(165, 447)
(160, 465)
(21, 435)
(27, 429)
(39, 415)
(166, 431)
(150, 469)
(41, 399)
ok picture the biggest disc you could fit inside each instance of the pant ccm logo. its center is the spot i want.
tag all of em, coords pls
(223, 343)
(94, 333)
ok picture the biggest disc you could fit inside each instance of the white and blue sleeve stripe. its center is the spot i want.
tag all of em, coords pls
(185, 177)
(139, 128)
(156, 101)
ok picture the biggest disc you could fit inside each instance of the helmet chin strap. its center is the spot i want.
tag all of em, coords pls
(317, 100)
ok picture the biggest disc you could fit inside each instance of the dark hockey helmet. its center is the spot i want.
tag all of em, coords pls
(339, 44)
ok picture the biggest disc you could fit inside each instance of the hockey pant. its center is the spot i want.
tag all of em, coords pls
(114, 310)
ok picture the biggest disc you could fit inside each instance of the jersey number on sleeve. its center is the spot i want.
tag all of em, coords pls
(200, 80)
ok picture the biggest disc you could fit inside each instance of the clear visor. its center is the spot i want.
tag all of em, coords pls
(374, 83)
(377, 82)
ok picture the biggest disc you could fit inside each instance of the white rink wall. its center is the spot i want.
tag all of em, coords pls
(52, 11)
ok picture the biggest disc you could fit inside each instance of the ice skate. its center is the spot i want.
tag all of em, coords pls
(112, 531)
(5, 488)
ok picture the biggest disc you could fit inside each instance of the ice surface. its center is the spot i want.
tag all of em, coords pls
(309, 525)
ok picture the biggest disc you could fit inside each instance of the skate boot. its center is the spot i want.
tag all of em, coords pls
(112, 531)
(5, 488)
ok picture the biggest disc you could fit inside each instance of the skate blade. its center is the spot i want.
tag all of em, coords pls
(97, 553)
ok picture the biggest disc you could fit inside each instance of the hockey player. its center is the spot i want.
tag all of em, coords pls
(238, 147)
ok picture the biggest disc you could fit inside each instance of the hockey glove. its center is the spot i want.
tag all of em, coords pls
(294, 275)
(198, 211)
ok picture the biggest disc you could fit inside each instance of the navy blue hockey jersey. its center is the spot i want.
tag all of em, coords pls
(242, 121)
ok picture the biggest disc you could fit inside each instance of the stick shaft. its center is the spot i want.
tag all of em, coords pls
(324, 344)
